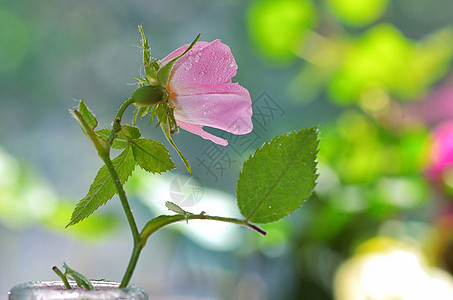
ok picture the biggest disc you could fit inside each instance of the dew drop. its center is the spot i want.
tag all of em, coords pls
(201, 73)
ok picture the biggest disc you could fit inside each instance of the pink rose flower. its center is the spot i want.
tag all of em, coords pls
(441, 159)
(202, 94)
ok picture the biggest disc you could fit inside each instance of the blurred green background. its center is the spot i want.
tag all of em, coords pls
(374, 75)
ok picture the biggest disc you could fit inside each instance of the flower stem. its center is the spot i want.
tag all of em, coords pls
(117, 122)
(140, 239)
(122, 195)
(132, 263)
(105, 156)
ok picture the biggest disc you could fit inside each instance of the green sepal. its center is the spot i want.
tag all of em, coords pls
(153, 114)
(144, 111)
(164, 72)
(142, 81)
(164, 122)
(152, 156)
(278, 177)
(134, 118)
(103, 188)
(150, 67)
(81, 280)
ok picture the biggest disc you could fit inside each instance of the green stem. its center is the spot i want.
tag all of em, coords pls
(105, 156)
(132, 263)
(62, 277)
(164, 220)
(122, 195)
(123, 107)
(117, 122)
(130, 219)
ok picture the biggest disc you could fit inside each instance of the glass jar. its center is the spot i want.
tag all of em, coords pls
(55, 290)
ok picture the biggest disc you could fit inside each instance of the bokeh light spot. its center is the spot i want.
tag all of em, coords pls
(279, 27)
(358, 12)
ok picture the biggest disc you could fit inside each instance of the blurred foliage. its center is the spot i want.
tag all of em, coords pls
(368, 61)
(279, 27)
(374, 155)
(367, 167)
(350, 65)
(27, 200)
(357, 12)
(383, 58)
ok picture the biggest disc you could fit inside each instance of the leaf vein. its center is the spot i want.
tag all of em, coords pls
(264, 198)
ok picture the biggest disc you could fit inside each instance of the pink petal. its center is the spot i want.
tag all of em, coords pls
(198, 130)
(205, 63)
(181, 49)
(442, 150)
(224, 106)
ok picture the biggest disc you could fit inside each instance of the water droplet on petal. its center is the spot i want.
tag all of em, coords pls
(201, 73)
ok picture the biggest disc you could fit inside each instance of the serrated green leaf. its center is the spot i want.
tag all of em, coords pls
(81, 280)
(118, 143)
(130, 132)
(278, 177)
(122, 138)
(103, 188)
(152, 156)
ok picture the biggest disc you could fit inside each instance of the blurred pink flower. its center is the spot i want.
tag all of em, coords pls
(441, 150)
(202, 93)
